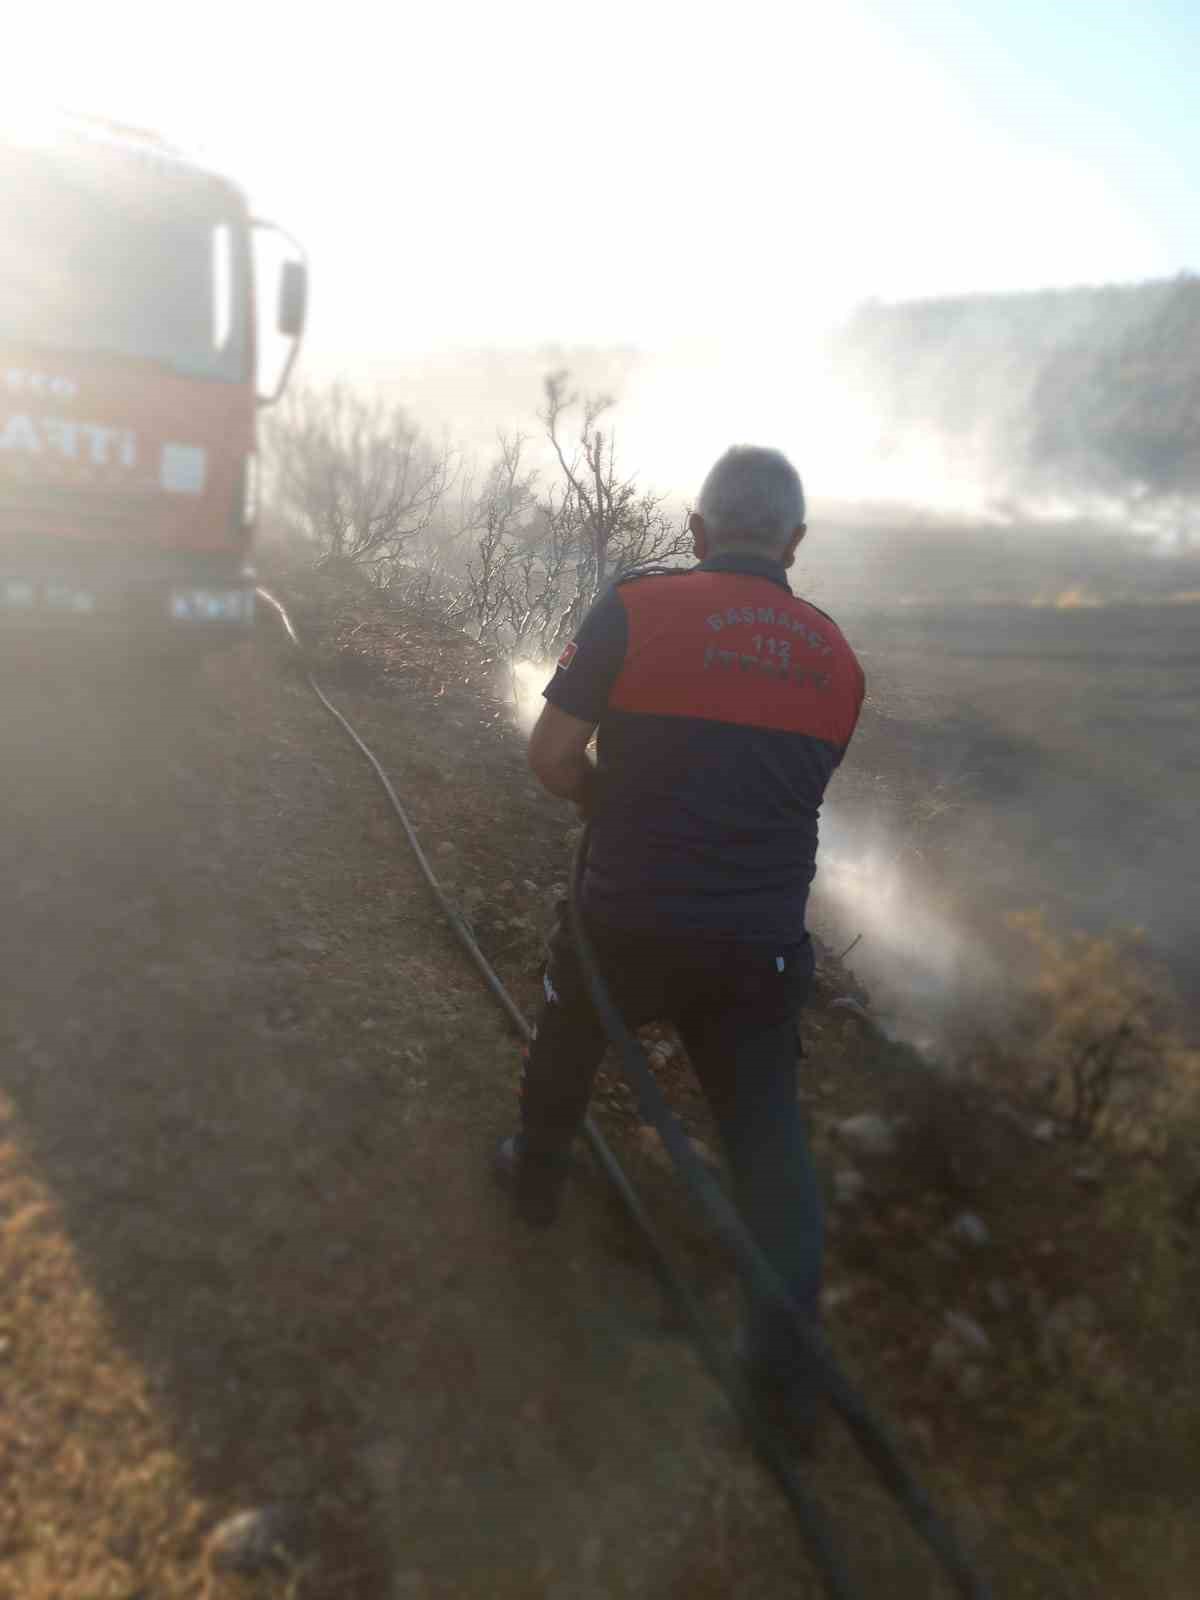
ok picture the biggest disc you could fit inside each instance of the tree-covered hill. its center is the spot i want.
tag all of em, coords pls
(1079, 392)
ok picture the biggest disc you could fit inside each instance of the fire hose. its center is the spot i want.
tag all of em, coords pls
(757, 1274)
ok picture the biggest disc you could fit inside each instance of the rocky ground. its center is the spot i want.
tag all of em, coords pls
(252, 1262)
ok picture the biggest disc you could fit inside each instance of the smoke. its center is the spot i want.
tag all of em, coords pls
(528, 679)
(924, 966)
(1047, 407)
(1003, 410)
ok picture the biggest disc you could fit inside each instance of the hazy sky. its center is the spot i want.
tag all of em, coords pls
(648, 172)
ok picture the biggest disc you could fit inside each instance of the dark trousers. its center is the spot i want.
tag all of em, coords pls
(734, 1006)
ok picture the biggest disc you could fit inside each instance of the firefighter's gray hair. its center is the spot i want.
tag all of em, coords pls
(752, 499)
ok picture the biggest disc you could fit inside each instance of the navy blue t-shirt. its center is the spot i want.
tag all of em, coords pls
(724, 703)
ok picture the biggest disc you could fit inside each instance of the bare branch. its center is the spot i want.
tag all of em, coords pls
(354, 476)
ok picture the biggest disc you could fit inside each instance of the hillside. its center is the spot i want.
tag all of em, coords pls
(252, 1255)
(1076, 395)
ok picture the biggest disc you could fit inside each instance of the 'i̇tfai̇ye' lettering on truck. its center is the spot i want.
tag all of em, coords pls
(129, 382)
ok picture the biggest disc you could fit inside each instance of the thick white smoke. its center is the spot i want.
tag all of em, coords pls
(922, 963)
(527, 680)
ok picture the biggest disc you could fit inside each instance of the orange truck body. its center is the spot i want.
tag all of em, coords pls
(128, 387)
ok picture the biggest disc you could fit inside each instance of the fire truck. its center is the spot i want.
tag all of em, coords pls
(130, 356)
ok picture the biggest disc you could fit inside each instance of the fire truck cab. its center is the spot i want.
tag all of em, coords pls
(129, 356)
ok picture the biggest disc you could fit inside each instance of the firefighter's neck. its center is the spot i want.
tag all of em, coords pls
(705, 547)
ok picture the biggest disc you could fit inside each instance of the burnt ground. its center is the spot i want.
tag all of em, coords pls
(250, 1251)
(1035, 756)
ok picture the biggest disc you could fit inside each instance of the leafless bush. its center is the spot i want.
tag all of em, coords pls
(617, 524)
(510, 569)
(515, 556)
(540, 552)
(353, 477)
(423, 587)
(1100, 1041)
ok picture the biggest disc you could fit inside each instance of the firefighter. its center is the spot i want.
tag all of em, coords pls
(722, 704)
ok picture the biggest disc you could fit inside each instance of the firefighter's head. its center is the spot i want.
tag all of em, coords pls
(751, 501)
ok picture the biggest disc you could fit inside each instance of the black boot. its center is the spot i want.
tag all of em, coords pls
(536, 1181)
(787, 1393)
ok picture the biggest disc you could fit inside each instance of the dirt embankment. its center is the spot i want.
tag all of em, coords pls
(250, 1251)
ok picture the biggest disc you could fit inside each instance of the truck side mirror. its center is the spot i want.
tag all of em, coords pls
(293, 298)
(291, 301)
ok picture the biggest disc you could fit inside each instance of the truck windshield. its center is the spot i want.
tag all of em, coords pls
(94, 257)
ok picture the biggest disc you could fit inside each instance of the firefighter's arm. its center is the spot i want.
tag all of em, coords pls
(558, 755)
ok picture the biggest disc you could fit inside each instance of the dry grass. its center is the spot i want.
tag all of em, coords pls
(1100, 1039)
(96, 1501)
